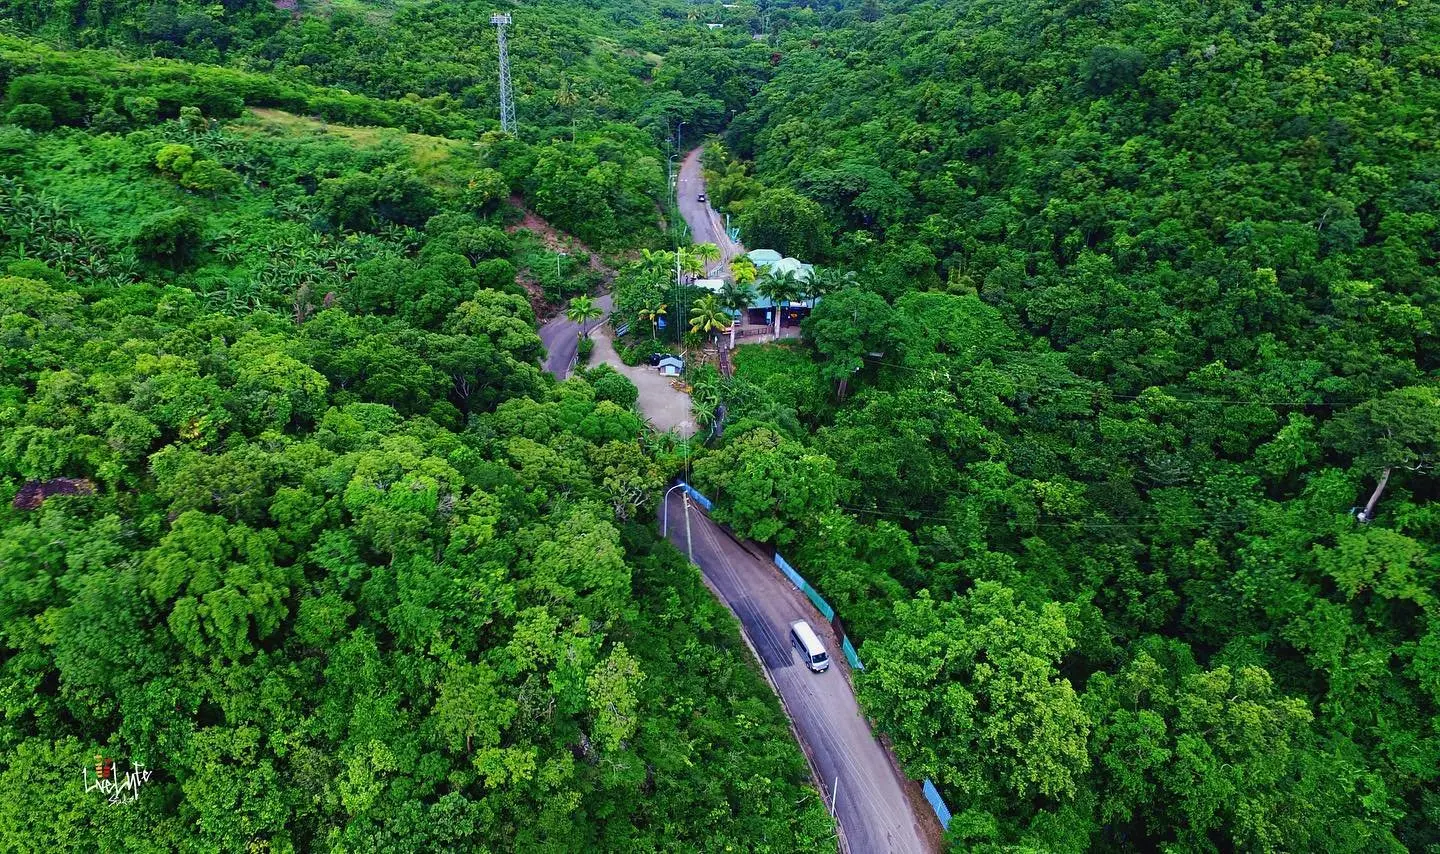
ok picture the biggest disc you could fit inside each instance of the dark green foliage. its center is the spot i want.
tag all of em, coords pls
(786, 222)
(31, 116)
(1143, 313)
(170, 236)
(612, 385)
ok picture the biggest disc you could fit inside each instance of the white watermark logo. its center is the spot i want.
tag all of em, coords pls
(107, 780)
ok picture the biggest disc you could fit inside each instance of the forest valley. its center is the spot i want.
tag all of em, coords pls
(1111, 435)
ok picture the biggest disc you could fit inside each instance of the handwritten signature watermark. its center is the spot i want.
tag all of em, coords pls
(106, 779)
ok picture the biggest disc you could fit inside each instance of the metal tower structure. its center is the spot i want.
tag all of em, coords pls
(507, 95)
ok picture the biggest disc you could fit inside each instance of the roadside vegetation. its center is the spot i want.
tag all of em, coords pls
(289, 512)
(1112, 435)
(1141, 337)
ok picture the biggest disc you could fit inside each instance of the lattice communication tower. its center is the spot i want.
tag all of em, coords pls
(507, 95)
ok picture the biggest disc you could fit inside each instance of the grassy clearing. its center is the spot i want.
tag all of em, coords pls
(439, 161)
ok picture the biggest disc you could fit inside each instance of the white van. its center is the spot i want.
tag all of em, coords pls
(812, 652)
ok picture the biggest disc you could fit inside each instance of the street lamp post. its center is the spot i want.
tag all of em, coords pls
(558, 256)
(680, 135)
(665, 510)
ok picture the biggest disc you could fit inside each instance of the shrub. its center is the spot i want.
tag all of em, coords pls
(170, 235)
(31, 117)
(630, 353)
(587, 346)
(192, 119)
(496, 274)
(610, 384)
(143, 109)
(174, 158)
(207, 176)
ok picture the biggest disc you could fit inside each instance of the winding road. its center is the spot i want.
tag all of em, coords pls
(561, 338)
(857, 774)
(706, 226)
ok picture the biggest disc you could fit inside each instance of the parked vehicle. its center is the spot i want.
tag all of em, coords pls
(807, 643)
(701, 198)
(655, 359)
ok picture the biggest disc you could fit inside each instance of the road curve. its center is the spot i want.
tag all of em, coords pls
(855, 771)
(561, 338)
(706, 226)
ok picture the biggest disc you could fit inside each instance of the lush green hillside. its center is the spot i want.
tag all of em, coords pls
(1142, 313)
(575, 64)
(288, 511)
(1145, 306)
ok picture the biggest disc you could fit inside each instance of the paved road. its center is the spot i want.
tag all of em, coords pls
(706, 226)
(665, 407)
(562, 338)
(872, 808)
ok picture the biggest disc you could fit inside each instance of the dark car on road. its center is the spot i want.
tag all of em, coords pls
(701, 198)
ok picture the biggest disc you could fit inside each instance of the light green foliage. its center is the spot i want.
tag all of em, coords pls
(288, 510)
(763, 481)
(612, 691)
(979, 673)
(219, 583)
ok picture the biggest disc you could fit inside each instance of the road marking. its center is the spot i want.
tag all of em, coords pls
(870, 808)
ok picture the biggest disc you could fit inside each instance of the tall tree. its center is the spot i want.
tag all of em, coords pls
(736, 296)
(779, 287)
(846, 327)
(582, 310)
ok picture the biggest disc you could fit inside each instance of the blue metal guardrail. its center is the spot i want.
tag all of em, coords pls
(937, 803)
(810, 592)
(695, 494)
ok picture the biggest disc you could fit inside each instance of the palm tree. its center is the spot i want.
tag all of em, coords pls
(657, 261)
(691, 261)
(582, 310)
(778, 288)
(708, 315)
(827, 280)
(653, 315)
(708, 252)
(743, 270)
(736, 297)
(566, 99)
(704, 401)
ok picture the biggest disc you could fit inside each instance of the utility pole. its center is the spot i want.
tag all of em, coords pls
(689, 546)
(507, 95)
(679, 291)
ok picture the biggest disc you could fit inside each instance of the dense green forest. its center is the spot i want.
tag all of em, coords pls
(1111, 437)
(288, 511)
(1144, 310)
